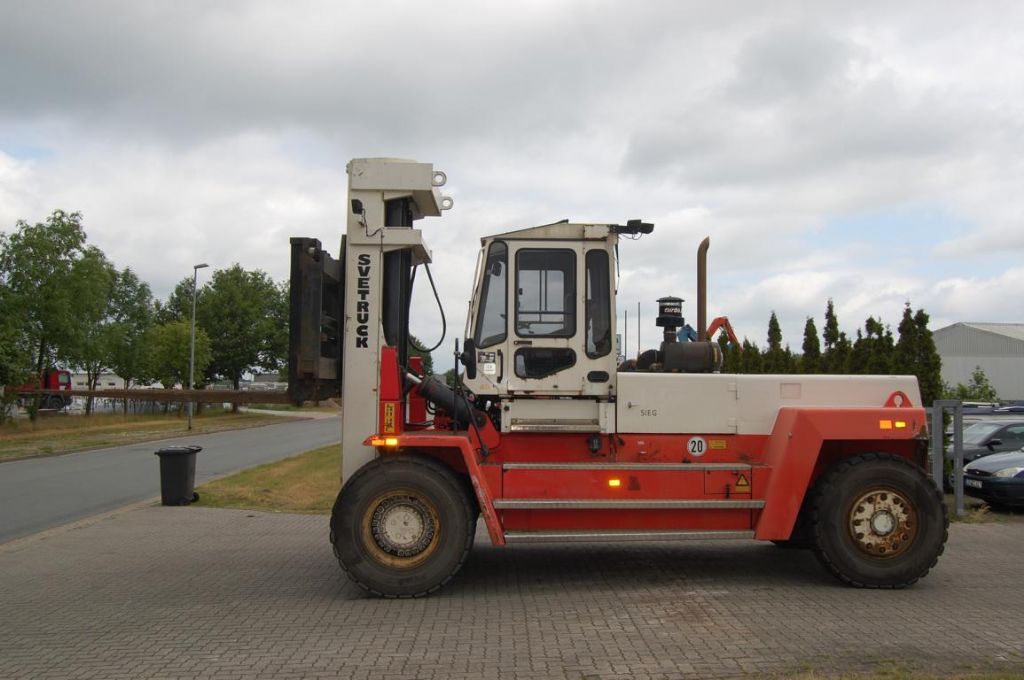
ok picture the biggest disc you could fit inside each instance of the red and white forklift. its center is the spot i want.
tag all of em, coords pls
(548, 440)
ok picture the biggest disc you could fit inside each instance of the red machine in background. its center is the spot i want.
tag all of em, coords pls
(52, 383)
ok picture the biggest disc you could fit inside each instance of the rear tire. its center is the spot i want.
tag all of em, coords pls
(878, 521)
(403, 526)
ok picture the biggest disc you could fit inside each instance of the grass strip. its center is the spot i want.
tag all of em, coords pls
(307, 484)
(51, 435)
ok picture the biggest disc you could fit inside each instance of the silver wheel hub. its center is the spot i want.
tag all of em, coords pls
(882, 523)
(402, 526)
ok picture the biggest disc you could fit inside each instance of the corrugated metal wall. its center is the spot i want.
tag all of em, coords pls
(962, 348)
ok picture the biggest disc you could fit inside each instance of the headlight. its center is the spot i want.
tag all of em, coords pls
(1010, 472)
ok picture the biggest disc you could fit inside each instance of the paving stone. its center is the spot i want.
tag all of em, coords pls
(192, 592)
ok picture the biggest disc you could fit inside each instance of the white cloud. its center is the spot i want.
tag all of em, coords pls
(214, 132)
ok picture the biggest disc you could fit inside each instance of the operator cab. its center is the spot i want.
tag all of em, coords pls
(542, 324)
(542, 320)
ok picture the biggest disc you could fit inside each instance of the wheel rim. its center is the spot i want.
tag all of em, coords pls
(401, 529)
(883, 523)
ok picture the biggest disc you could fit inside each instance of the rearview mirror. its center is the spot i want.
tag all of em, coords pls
(468, 358)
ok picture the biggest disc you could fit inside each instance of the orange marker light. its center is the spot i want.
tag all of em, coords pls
(885, 424)
(614, 483)
(384, 441)
(900, 424)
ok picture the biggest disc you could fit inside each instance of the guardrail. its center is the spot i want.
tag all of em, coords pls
(201, 396)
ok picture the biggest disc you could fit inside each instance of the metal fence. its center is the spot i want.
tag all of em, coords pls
(939, 408)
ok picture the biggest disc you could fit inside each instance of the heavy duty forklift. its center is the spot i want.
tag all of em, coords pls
(549, 440)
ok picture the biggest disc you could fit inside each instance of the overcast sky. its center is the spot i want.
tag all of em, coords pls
(868, 152)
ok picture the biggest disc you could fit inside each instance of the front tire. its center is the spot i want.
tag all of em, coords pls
(878, 522)
(402, 526)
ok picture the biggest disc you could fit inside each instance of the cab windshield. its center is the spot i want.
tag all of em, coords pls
(492, 316)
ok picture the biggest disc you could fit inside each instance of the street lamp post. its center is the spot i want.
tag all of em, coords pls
(192, 345)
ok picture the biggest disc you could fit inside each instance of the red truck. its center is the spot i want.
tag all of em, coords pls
(52, 379)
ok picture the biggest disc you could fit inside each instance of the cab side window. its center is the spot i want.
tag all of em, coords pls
(598, 306)
(545, 293)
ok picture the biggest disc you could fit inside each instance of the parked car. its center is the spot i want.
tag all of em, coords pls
(990, 436)
(1013, 408)
(997, 479)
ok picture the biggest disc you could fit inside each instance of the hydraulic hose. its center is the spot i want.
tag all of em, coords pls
(444, 323)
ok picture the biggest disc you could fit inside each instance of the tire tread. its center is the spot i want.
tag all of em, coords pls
(827, 485)
(376, 467)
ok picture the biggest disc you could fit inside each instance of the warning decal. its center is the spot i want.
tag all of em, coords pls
(742, 484)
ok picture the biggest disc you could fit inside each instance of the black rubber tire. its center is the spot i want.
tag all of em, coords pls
(54, 403)
(833, 500)
(429, 482)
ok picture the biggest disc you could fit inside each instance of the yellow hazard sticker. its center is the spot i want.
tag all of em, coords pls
(389, 418)
(717, 443)
(742, 484)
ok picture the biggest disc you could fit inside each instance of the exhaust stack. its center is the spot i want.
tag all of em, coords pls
(702, 289)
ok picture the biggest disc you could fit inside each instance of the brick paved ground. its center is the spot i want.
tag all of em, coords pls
(188, 592)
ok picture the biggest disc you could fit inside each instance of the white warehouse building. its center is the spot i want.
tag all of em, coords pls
(998, 348)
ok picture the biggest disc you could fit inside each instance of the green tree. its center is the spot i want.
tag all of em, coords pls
(831, 362)
(915, 354)
(751, 360)
(15, 359)
(132, 315)
(811, 361)
(178, 306)
(167, 346)
(873, 350)
(881, 349)
(414, 351)
(839, 356)
(45, 269)
(87, 347)
(858, 362)
(775, 358)
(732, 355)
(245, 315)
(978, 389)
(929, 372)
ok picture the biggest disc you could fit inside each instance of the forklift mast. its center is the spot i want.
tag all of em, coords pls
(344, 311)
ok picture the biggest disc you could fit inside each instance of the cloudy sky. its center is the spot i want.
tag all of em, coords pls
(870, 152)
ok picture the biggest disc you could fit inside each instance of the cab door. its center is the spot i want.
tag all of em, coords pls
(560, 330)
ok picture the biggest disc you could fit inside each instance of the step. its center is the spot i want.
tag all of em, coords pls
(616, 536)
(625, 504)
(697, 467)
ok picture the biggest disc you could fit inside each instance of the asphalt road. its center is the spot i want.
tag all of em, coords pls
(41, 493)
